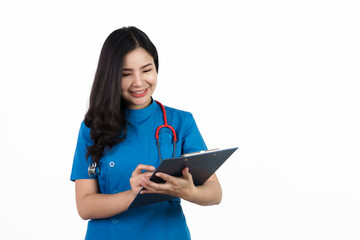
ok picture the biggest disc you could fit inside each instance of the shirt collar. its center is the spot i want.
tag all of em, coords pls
(142, 114)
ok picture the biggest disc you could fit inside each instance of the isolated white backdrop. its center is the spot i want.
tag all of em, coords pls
(278, 79)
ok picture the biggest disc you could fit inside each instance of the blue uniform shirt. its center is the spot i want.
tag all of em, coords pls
(159, 221)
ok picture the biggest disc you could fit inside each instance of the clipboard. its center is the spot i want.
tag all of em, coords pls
(201, 165)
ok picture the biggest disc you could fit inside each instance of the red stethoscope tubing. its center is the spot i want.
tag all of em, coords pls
(165, 125)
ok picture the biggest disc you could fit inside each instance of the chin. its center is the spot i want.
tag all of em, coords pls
(139, 104)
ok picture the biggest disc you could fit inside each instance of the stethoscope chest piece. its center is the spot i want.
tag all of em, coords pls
(92, 169)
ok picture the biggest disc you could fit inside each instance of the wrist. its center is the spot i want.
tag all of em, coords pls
(132, 194)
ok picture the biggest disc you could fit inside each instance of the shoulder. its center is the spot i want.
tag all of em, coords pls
(84, 132)
(178, 112)
(180, 119)
(84, 128)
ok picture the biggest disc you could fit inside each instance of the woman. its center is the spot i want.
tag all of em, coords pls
(118, 134)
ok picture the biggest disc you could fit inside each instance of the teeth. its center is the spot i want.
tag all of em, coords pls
(139, 92)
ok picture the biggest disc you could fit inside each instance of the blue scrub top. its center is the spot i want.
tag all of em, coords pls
(159, 221)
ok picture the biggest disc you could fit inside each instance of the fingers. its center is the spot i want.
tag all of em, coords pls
(146, 175)
(166, 177)
(138, 177)
(136, 180)
(151, 186)
(142, 167)
(173, 185)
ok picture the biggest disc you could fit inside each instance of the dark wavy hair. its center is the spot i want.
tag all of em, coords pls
(106, 116)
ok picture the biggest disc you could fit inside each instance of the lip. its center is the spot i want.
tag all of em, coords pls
(136, 94)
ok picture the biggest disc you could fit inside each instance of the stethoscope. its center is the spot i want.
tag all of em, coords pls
(94, 169)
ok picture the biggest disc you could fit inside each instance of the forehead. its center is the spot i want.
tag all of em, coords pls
(137, 57)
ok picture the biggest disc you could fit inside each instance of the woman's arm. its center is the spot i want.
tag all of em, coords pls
(92, 204)
(209, 193)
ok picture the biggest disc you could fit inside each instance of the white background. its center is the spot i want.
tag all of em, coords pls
(278, 79)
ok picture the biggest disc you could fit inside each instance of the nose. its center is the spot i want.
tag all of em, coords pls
(137, 82)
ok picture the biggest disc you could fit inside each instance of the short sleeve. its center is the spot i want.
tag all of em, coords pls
(192, 141)
(81, 164)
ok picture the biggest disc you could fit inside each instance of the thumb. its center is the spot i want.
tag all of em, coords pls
(187, 174)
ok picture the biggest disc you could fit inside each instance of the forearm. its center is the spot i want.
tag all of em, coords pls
(209, 193)
(97, 205)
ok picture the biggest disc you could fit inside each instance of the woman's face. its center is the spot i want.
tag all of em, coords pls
(139, 78)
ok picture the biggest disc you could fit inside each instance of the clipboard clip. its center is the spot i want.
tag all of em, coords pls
(200, 152)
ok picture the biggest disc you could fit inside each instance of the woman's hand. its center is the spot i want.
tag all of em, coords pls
(137, 177)
(182, 187)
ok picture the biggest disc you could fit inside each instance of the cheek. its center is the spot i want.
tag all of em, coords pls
(124, 85)
(124, 89)
(153, 79)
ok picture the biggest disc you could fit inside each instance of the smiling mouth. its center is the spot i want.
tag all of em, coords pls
(138, 94)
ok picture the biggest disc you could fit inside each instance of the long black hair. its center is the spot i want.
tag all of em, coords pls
(106, 116)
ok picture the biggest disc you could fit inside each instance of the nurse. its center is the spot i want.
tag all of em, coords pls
(118, 134)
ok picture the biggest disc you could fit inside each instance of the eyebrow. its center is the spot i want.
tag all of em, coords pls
(146, 65)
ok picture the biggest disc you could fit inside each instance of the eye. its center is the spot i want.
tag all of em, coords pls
(126, 74)
(147, 70)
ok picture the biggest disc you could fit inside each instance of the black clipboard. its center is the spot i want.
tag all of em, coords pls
(201, 166)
